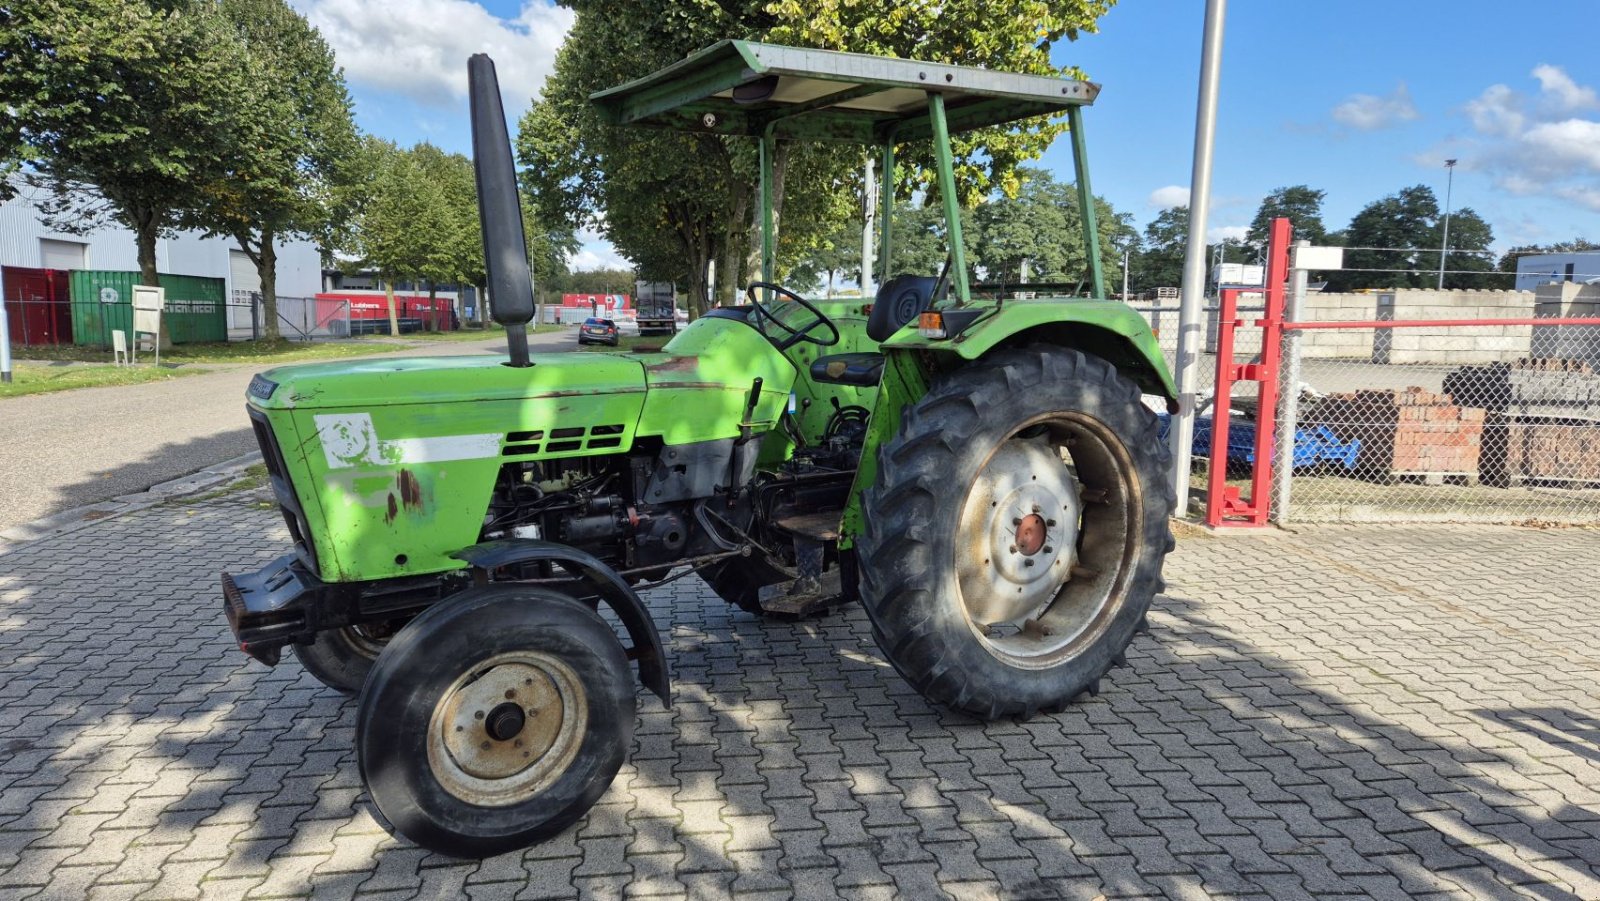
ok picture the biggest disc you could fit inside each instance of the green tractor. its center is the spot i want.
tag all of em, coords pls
(981, 475)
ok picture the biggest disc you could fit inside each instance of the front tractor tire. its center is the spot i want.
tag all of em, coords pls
(495, 720)
(1019, 589)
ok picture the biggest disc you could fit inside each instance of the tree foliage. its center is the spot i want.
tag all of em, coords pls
(1400, 235)
(1302, 204)
(139, 102)
(1043, 225)
(673, 202)
(294, 143)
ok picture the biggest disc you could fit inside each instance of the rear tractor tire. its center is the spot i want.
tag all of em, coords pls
(495, 720)
(1020, 589)
(342, 658)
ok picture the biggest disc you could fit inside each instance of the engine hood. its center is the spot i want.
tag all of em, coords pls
(388, 381)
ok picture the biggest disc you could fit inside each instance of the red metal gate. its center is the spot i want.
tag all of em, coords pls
(38, 305)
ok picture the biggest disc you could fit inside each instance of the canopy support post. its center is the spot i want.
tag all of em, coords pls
(1086, 210)
(947, 193)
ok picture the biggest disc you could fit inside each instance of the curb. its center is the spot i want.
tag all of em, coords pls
(68, 521)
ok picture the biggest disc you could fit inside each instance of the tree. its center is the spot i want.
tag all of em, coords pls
(139, 103)
(296, 145)
(839, 251)
(405, 222)
(1042, 224)
(1302, 205)
(1159, 263)
(673, 203)
(1397, 238)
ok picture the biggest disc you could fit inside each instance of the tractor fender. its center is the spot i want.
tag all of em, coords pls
(1106, 329)
(599, 579)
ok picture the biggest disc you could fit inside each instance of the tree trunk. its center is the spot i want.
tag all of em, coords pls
(733, 249)
(431, 321)
(483, 305)
(394, 318)
(267, 271)
(145, 237)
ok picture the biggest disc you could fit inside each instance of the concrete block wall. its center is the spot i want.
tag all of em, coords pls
(1445, 345)
(1567, 342)
(1452, 345)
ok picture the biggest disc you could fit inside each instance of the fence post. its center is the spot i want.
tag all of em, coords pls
(5, 335)
(1289, 390)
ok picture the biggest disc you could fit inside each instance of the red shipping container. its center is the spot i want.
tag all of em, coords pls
(38, 305)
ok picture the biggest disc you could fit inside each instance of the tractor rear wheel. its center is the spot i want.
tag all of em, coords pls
(342, 658)
(495, 720)
(1019, 590)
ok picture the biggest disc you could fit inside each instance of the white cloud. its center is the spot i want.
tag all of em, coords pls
(1369, 112)
(1168, 197)
(419, 48)
(1562, 93)
(1226, 233)
(1497, 111)
(595, 252)
(1537, 146)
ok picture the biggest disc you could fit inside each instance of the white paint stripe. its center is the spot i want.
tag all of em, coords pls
(444, 448)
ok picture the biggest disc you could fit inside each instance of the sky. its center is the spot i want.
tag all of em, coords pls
(1358, 98)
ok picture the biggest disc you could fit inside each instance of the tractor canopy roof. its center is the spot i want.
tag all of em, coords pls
(747, 88)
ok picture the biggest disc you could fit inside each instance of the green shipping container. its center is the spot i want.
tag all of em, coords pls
(102, 302)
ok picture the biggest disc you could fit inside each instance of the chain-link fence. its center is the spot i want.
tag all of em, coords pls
(1459, 406)
(1458, 422)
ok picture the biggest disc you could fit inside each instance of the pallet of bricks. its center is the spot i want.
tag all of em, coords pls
(1407, 434)
(1544, 420)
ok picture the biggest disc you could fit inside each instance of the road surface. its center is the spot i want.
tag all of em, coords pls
(71, 448)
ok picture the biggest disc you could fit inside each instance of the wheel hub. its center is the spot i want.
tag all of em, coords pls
(1031, 534)
(507, 729)
(1018, 533)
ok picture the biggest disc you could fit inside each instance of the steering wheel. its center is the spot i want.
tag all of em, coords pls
(794, 335)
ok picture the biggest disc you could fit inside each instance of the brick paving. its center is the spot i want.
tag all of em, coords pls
(1376, 711)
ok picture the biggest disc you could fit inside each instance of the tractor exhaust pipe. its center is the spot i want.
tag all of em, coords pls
(505, 247)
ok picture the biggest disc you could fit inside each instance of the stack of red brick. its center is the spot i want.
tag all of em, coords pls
(1406, 432)
(1544, 419)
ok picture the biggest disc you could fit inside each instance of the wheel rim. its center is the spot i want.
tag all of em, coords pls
(1046, 540)
(368, 640)
(507, 729)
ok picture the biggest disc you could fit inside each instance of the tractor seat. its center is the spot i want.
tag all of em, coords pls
(859, 369)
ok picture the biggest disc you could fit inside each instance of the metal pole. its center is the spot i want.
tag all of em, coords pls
(1289, 389)
(769, 249)
(1444, 243)
(869, 223)
(1125, 276)
(1191, 329)
(1086, 210)
(5, 336)
(947, 193)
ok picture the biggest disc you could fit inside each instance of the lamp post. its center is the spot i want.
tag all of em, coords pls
(1191, 300)
(1444, 243)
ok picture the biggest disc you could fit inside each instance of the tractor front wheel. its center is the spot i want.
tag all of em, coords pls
(495, 720)
(1019, 590)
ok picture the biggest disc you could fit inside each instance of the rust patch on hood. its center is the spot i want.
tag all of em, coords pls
(673, 364)
(410, 489)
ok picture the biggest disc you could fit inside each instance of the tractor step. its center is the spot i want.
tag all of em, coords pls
(783, 600)
(822, 526)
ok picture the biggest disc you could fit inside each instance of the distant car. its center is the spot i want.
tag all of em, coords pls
(597, 331)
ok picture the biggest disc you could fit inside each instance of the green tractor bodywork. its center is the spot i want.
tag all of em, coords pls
(394, 459)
